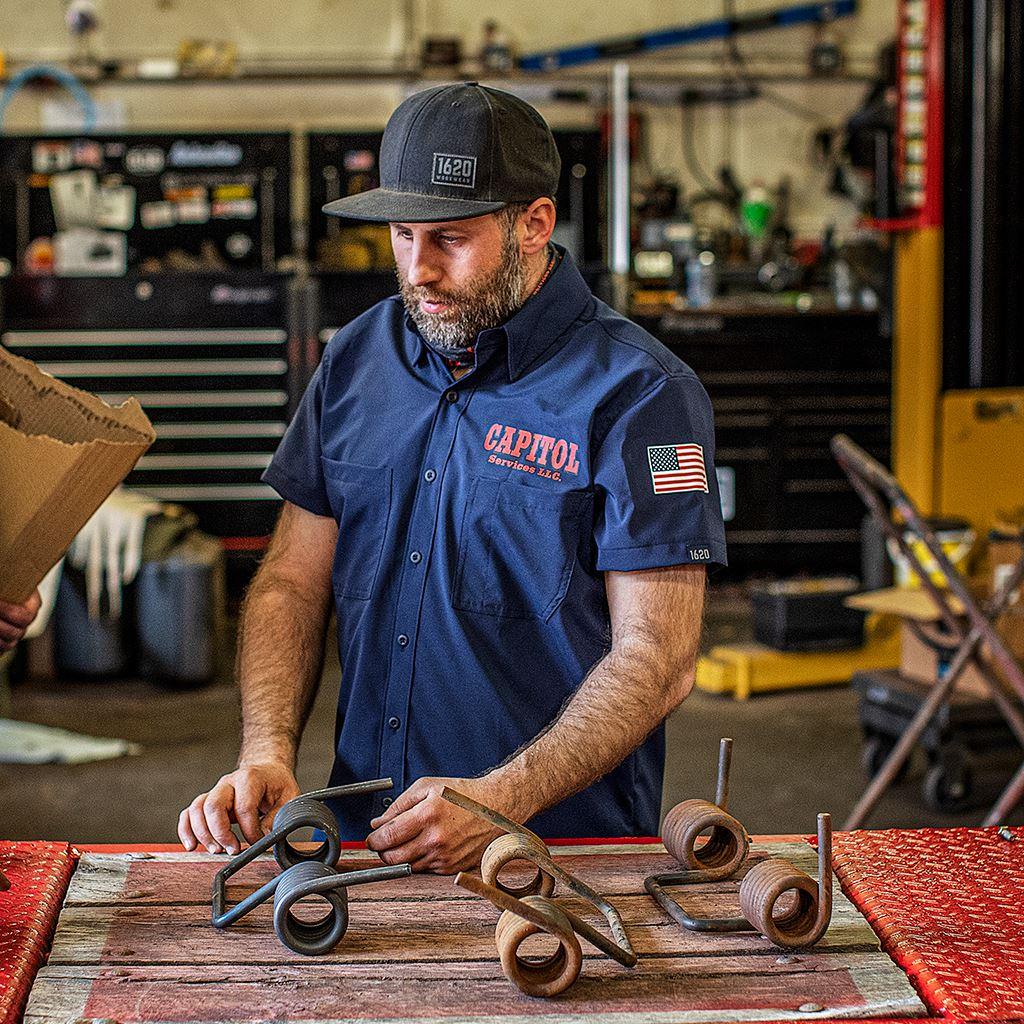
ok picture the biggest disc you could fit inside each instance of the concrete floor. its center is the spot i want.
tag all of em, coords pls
(795, 754)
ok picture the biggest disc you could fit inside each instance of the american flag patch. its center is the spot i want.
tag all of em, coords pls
(677, 467)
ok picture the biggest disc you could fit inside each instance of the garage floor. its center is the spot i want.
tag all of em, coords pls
(796, 753)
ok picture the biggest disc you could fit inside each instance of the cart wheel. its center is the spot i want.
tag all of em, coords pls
(949, 782)
(875, 749)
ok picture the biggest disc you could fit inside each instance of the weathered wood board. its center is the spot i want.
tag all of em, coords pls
(135, 943)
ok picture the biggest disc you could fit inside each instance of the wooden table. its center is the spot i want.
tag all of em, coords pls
(134, 943)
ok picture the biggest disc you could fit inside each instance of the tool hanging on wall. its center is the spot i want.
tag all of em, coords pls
(528, 909)
(307, 873)
(799, 920)
(683, 35)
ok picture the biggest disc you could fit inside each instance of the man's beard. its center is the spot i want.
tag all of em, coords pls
(483, 304)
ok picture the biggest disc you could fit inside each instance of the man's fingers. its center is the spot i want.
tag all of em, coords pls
(395, 832)
(185, 833)
(197, 819)
(20, 615)
(409, 853)
(216, 807)
(247, 812)
(403, 802)
(10, 633)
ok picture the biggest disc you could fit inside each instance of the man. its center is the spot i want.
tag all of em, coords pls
(508, 490)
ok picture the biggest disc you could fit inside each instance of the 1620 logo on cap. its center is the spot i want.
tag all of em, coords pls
(451, 169)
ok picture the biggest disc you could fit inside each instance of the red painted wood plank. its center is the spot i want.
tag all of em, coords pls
(712, 987)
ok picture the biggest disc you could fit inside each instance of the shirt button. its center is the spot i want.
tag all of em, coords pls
(429, 476)
(415, 557)
(452, 396)
(403, 640)
(393, 723)
(386, 802)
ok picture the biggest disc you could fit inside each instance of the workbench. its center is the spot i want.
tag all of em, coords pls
(129, 938)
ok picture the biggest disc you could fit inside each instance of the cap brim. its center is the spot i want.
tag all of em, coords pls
(383, 205)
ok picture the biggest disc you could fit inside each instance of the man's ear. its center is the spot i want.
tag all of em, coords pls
(538, 221)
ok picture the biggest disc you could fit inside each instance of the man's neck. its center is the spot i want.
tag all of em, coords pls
(535, 267)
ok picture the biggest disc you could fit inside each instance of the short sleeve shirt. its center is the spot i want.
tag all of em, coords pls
(476, 520)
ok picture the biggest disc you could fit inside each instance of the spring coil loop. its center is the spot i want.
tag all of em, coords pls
(725, 849)
(305, 812)
(550, 975)
(802, 923)
(508, 849)
(311, 938)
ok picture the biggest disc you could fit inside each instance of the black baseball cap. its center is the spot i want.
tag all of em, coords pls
(457, 151)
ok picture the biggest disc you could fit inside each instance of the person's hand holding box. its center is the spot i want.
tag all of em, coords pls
(15, 619)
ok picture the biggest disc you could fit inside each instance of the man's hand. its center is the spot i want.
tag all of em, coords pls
(15, 619)
(249, 796)
(422, 829)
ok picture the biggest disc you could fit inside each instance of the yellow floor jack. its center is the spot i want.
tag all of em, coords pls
(745, 668)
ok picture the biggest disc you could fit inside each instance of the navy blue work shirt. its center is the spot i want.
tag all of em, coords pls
(476, 518)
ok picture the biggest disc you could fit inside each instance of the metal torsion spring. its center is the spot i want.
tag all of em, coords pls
(547, 976)
(321, 935)
(512, 848)
(306, 812)
(727, 843)
(311, 938)
(805, 920)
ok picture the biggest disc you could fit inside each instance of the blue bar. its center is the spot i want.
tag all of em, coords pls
(701, 32)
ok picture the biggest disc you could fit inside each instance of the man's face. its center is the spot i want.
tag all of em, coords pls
(459, 277)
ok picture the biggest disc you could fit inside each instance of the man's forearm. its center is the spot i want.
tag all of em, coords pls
(656, 625)
(624, 698)
(279, 661)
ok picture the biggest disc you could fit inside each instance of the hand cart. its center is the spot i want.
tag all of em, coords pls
(966, 632)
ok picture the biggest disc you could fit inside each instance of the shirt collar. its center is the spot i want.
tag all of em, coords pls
(538, 325)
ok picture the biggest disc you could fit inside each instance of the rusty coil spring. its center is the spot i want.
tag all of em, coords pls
(724, 851)
(513, 848)
(547, 976)
(807, 918)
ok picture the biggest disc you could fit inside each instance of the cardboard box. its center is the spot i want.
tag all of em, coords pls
(919, 660)
(1005, 549)
(62, 451)
(905, 602)
(924, 663)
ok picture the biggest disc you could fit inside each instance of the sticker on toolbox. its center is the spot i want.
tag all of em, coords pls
(157, 215)
(241, 209)
(87, 153)
(144, 160)
(193, 211)
(188, 153)
(88, 252)
(115, 207)
(174, 192)
(73, 194)
(48, 157)
(232, 190)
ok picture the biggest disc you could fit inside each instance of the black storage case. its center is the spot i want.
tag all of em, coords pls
(807, 615)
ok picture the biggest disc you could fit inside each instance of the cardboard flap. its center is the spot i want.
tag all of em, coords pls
(35, 403)
(8, 413)
(62, 451)
(902, 601)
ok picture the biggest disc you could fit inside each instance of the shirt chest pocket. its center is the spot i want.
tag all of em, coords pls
(360, 498)
(517, 548)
